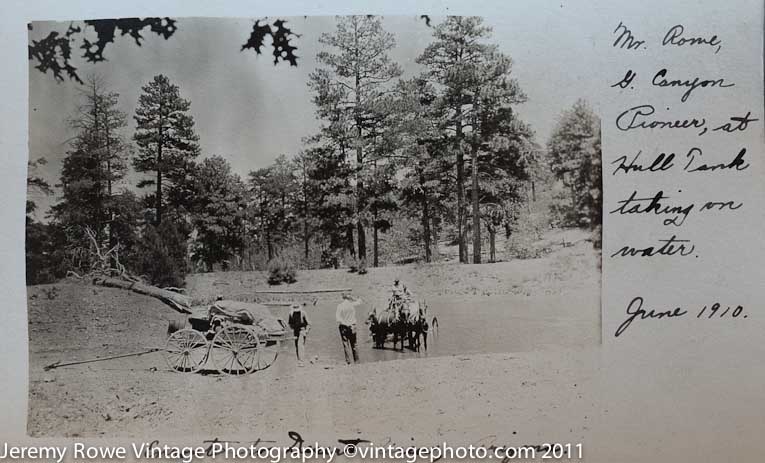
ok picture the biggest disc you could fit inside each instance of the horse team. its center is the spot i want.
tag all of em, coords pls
(403, 320)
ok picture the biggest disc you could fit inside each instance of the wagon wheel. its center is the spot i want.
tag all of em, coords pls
(234, 350)
(267, 353)
(186, 350)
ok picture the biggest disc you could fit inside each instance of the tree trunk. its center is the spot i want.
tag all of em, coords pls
(159, 169)
(492, 245)
(362, 237)
(460, 192)
(362, 241)
(179, 302)
(110, 204)
(376, 241)
(476, 208)
(464, 226)
(305, 213)
(305, 240)
(269, 246)
(425, 220)
(426, 229)
(349, 240)
(434, 230)
(99, 218)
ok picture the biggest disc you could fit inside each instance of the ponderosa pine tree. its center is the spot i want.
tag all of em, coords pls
(424, 166)
(167, 144)
(355, 78)
(451, 62)
(475, 93)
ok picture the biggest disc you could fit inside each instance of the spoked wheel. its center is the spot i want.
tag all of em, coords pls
(267, 353)
(234, 350)
(186, 350)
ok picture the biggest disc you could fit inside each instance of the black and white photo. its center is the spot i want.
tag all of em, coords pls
(264, 223)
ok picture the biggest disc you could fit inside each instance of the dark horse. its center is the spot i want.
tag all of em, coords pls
(386, 322)
(406, 321)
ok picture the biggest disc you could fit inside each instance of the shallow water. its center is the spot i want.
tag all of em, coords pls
(466, 325)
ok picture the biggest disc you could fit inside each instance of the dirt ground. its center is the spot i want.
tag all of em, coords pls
(514, 358)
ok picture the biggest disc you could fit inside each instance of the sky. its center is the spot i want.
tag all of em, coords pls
(249, 111)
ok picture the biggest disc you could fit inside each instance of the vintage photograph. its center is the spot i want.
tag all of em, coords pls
(379, 226)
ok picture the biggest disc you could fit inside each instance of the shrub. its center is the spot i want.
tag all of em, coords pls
(280, 271)
(329, 258)
(526, 231)
(161, 255)
(45, 253)
(522, 247)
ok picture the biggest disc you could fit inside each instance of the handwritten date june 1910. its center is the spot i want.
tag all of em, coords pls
(636, 312)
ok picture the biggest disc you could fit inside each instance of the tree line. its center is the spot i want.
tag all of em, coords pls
(444, 153)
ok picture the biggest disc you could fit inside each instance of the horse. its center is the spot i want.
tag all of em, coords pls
(421, 326)
(393, 320)
(417, 325)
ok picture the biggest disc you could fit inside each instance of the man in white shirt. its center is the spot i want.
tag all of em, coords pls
(346, 320)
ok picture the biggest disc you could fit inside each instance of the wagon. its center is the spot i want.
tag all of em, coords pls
(237, 337)
(405, 320)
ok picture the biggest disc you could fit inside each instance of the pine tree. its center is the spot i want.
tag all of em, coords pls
(36, 186)
(95, 163)
(451, 62)
(328, 184)
(497, 137)
(475, 94)
(273, 191)
(357, 73)
(425, 168)
(218, 205)
(167, 144)
(39, 238)
(305, 199)
(575, 158)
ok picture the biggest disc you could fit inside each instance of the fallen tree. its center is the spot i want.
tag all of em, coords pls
(106, 270)
(177, 301)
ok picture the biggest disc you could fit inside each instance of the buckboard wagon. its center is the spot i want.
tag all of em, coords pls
(237, 337)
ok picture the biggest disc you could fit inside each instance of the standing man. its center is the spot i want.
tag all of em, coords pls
(346, 319)
(300, 325)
